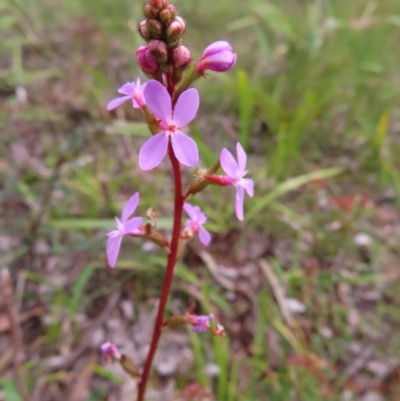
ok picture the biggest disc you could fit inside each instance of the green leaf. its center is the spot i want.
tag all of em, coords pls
(79, 287)
(11, 392)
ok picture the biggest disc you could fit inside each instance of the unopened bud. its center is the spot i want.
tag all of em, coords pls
(144, 32)
(217, 57)
(172, 10)
(160, 4)
(155, 28)
(176, 29)
(165, 15)
(181, 57)
(145, 60)
(150, 12)
(158, 50)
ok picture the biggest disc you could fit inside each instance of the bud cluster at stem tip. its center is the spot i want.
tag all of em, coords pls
(163, 30)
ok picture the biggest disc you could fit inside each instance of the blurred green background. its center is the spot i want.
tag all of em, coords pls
(307, 287)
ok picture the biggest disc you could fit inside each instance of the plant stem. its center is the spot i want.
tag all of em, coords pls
(169, 273)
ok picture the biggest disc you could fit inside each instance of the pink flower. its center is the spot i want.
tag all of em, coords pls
(234, 176)
(125, 226)
(195, 223)
(132, 91)
(171, 121)
(110, 352)
(217, 57)
(201, 323)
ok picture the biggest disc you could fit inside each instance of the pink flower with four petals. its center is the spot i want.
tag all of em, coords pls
(171, 121)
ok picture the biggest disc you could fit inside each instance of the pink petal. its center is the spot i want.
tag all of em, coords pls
(158, 100)
(132, 224)
(153, 151)
(130, 207)
(216, 47)
(239, 203)
(201, 218)
(127, 89)
(186, 107)
(185, 149)
(228, 163)
(190, 210)
(220, 62)
(113, 246)
(241, 157)
(117, 102)
(248, 185)
(204, 236)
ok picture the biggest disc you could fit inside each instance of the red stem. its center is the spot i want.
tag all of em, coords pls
(169, 273)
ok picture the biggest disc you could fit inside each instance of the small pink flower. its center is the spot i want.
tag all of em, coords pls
(171, 121)
(195, 223)
(132, 91)
(125, 226)
(200, 323)
(217, 57)
(109, 352)
(235, 171)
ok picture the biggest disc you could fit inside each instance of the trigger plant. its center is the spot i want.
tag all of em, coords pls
(169, 103)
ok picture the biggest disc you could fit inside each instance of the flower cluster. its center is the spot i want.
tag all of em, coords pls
(169, 103)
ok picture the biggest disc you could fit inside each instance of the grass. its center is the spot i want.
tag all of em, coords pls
(313, 99)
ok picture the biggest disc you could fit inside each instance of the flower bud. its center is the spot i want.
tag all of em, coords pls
(150, 12)
(158, 50)
(217, 57)
(176, 29)
(155, 28)
(172, 10)
(165, 15)
(144, 32)
(159, 4)
(110, 352)
(145, 60)
(181, 57)
(174, 43)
